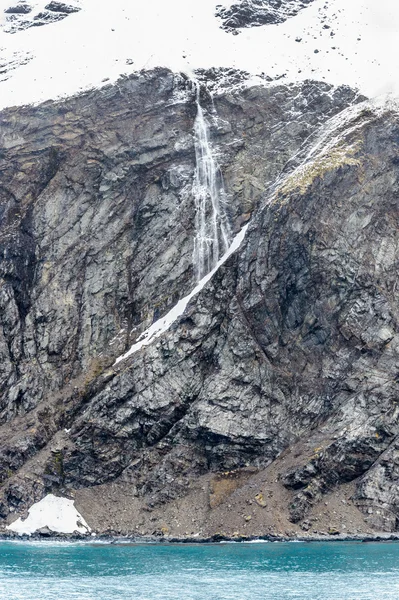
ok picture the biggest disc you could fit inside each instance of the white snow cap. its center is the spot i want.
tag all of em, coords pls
(340, 41)
(58, 514)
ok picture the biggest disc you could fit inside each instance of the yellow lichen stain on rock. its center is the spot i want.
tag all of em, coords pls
(339, 156)
(260, 500)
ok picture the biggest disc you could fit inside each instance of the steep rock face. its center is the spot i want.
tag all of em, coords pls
(98, 215)
(295, 337)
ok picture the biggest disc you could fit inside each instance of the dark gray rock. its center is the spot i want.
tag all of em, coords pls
(263, 356)
(97, 215)
(44, 532)
(44, 17)
(17, 19)
(253, 13)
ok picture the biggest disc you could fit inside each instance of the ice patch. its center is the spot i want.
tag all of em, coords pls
(58, 514)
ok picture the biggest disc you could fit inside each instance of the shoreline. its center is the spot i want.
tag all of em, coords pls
(214, 539)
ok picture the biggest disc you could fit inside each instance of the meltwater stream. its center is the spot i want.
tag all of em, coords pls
(212, 231)
(278, 571)
(213, 239)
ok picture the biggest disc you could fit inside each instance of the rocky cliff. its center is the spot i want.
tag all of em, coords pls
(270, 404)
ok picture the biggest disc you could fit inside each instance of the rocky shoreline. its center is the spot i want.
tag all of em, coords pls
(214, 539)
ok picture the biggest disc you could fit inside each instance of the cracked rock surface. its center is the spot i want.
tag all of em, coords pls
(21, 16)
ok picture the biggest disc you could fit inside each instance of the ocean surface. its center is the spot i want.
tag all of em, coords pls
(278, 571)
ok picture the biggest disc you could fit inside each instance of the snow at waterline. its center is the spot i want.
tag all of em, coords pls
(104, 40)
(56, 513)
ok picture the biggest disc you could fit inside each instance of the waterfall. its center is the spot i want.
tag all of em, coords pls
(212, 231)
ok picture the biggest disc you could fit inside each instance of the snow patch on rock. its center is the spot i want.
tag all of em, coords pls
(338, 42)
(58, 514)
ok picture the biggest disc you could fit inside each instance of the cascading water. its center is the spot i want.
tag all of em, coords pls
(212, 231)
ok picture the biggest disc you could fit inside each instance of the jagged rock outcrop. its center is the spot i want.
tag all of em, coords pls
(253, 13)
(294, 338)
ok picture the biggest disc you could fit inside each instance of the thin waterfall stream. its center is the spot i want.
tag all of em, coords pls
(212, 230)
(213, 240)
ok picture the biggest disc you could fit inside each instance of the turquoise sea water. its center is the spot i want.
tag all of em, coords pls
(278, 571)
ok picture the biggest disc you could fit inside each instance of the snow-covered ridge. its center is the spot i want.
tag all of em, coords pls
(335, 134)
(339, 42)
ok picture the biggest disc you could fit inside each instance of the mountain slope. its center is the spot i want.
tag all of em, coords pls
(278, 379)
